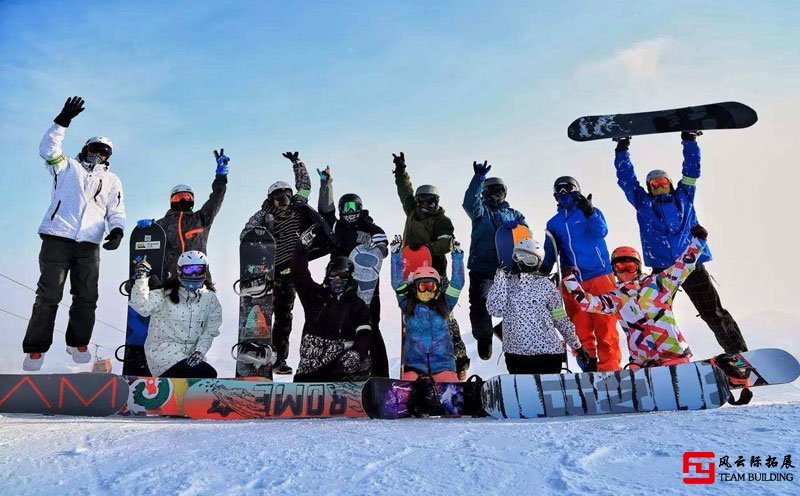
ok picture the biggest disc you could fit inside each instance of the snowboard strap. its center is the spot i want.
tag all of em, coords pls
(425, 400)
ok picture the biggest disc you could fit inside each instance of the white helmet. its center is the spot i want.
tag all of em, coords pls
(181, 188)
(100, 139)
(278, 185)
(192, 257)
(529, 252)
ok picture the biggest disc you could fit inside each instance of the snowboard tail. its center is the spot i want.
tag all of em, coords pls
(86, 394)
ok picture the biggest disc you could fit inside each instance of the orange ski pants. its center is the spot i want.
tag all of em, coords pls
(597, 332)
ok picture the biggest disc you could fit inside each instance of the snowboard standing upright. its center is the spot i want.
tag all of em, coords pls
(724, 115)
(368, 263)
(256, 277)
(150, 242)
(504, 241)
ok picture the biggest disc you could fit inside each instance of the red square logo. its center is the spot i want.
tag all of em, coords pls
(698, 467)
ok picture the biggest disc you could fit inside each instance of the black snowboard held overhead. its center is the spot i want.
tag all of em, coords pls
(724, 115)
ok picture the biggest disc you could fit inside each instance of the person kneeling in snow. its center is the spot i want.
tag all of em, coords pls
(185, 318)
(337, 334)
(428, 345)
(644, 303)
(532, 312)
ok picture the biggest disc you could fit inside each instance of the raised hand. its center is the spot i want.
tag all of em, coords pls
(690, 135)
(324, 175)
(142, 269)
(222, 162)
(622, 144)
(585, 205)
(481, 169)
(699, 232)
(293, 156)
(307, 237)
(72, 107)
(399, 162)
(456, 248)
(397, 244)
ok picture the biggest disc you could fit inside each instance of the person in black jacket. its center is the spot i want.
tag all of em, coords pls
(355, 227)
(286, 215)
(187, 229)
(337, 333)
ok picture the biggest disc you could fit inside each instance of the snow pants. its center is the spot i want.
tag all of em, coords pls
(478, 315)
(377, 352)
(283, 304)
(58, 258)
(597, 332)
(704, 296)
(534, 364)
(182, 370)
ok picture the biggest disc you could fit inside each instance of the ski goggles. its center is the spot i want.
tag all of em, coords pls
(194, 270)
(426, 285)
(626, 266)
(181, 196)
(338, 274)
(564, 188)
(429, 201)
(659, 182)
(351, 207)
(528, 259)
(99, 148)
(496, 190)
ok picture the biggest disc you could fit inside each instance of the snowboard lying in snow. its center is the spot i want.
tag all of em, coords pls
(87, 394)
(725, 115)
(225, 399)
(391, 398)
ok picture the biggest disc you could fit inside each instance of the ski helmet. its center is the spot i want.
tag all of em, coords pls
(277, 186)
(181, 188)
(426, 283)
(566, 184)
(626, 253)
(528, 253)
(192, 269)
(350, 207)
(657, 174)
(102, 142)
(425, 272)
(494, 191)
(427, 189)
(339, 274)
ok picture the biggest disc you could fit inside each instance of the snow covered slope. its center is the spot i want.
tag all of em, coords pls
(632, 454)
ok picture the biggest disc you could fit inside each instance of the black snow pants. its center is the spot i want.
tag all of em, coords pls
(182, 370)
(478, 315)
(283, 304)
(377, 352)
(534, 364)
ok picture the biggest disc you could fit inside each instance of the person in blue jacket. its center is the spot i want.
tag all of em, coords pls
(666, 215)
(486, 205)
(579, 230)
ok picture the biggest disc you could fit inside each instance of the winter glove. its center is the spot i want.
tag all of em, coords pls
(195, 358)
(222, 162)
(455, 247)
(622, 144)
(399, 163)
(481, 169)
(690, 135)
(113, 239)
(569, 271)
(324, 175)
(397, 244)
(699, 232)
(585, 205)
(294, 157)
(582, 355)
(72, 107)
(142, 269)
(511, 223)
(307, 237)
(144, 223)
(462, 365)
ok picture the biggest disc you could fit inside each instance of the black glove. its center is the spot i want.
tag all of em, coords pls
(113, 239)
(582, 355)
(294, 157)
(481, 169)
(690, 135)
(585, 205)
(72, 107)
(462, 364)
(699, 232)
(622, 144)
(569, 270)
(399, 163)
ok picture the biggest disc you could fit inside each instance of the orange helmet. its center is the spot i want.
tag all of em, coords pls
(426, 272)
(626, 252)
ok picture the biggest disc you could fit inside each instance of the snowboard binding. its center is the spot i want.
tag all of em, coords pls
(473, 403)
(425, 400)
(253, 354)
(255, 287)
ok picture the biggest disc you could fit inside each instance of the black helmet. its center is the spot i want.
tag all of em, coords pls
(566, 184)
(341, 266)
(352, 202)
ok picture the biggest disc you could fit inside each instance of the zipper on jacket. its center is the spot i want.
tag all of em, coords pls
(180, 232)
(58, 205)
(569, 244)
(99, 189)
(600, 256)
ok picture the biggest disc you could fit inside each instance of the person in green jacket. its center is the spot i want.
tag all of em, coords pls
(427, 225)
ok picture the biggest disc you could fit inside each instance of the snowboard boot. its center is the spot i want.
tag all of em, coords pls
(485, 348)
(80, 354)
(281, 368)
(734, 367)
(473, 404)
(33, 362)
(424, 400)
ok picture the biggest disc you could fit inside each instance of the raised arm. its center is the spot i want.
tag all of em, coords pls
(453, 290)
(403, 182)
(691, 165)
(399, 283)
(304, 284)
(626, 175)
(144, 301)
(608, 303)
(219, 185)
(473, 203)
(50, 146)
(672, 277)
(325, 204)
(302, 181)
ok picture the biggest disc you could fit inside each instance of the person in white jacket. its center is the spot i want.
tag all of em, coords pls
(185, 317)
(85, 200)
(534, 318)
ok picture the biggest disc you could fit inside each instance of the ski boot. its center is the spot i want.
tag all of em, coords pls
(79, 354)
(33, 362)
(473, 404)
(738, 375)
(424, 400)
(281, 368)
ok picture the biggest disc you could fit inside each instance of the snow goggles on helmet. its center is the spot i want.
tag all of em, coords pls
(528, 259)
(194, 270)
(181, 196)
(623, 266)
(338, 273)
(426, 285)
(99, 148)
(429, 201)
(659, 182)
(564, 188)
(351, 207)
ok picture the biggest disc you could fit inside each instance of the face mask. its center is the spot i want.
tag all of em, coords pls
(351, 217)
(566, 199)
(495, 195)
(182, 206)
(89, 160)
(192, 283)
(426, 205)
(282, 199)
(338, 286)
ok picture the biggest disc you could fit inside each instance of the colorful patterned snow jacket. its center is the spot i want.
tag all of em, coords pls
(644, 306)
(665, 221)
(428, 346)
(485, 222)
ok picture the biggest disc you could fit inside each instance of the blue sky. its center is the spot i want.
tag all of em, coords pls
(348, 83)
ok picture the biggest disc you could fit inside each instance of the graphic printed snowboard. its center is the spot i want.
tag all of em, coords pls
(225, 399)
(504, 241)
(768, 366)
(256, 278)
(150, 242)
(86, 394)
(368, 263)
(725, 115)
(388, 398)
